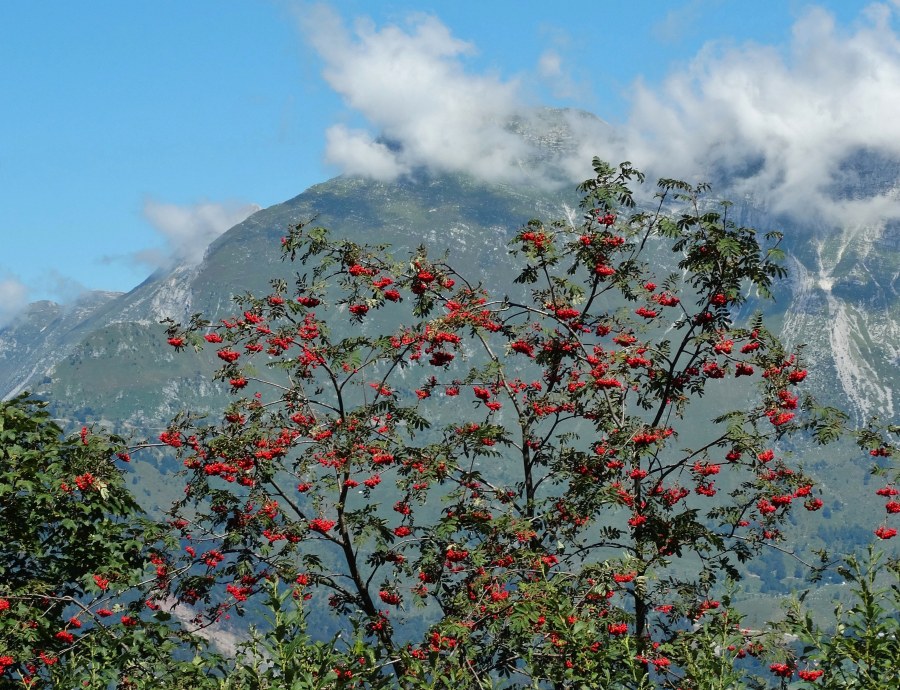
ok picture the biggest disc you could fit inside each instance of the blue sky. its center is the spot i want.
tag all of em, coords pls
(132, 133)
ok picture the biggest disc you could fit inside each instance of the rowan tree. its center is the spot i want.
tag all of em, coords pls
(543, 485)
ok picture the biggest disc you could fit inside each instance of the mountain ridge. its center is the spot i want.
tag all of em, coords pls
(844, 275)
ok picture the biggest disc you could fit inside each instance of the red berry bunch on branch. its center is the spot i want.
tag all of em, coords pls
(530, 465)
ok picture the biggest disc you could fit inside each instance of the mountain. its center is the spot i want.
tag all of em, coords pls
(31, 342)
(104, 359)
(111, 363)
(849, 285)
(841, 298)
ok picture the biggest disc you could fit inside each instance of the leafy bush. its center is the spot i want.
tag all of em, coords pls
(73, 549)
(576, 515)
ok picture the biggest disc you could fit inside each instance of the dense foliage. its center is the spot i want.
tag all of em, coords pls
(72, 560)
(551, 487)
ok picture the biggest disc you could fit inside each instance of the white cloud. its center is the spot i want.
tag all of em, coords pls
(784, 125)
(188, 230)
(780, 123)
(551, 69)
(681, 20)
(64, 288)
(411, 86)
(355, 152)
(550, 65)
(13, 298)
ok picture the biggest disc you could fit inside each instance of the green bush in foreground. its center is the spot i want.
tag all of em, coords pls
(73, 557)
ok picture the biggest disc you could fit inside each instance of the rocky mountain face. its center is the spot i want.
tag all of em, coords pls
(104, 354)
(31, 343)
(104, 358)
(844, 305)
(843, 299)
(108, 361)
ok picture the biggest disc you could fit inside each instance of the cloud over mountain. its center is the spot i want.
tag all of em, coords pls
(779, 123)
(13, 298)
(424, 108)
(782, 124)
(187, 230)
